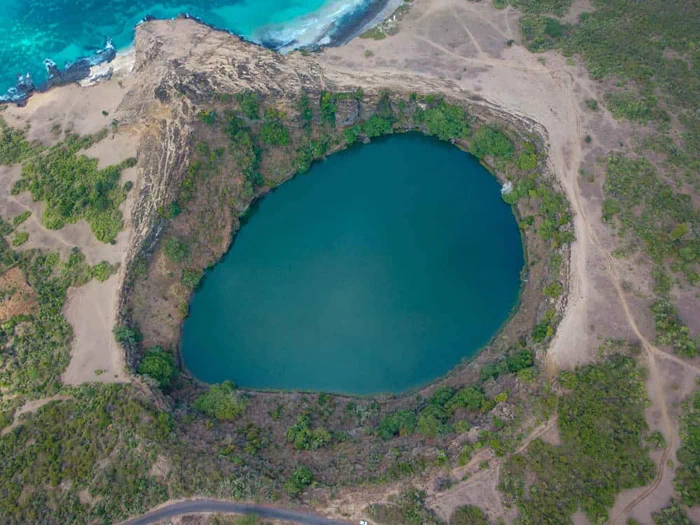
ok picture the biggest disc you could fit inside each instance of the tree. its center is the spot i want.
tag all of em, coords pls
(158, 364)
(491, 142)
(221, 402)
(176, 250)
(401, 422)
(301, 478)
(126, 334)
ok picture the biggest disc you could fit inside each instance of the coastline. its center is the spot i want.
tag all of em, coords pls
(108, 61)
(380, 11)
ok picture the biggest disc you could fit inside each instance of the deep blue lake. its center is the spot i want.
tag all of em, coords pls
(377, 271)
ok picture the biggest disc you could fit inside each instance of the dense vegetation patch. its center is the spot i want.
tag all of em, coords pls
(104, 439)
(159, 365)
(221, 402)
(602, 426)
(36, 347)
(70, 184)
(14, 147)
(556, 7)
(687, 480)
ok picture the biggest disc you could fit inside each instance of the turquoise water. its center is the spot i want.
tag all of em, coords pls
(377, 271)
(63, 30)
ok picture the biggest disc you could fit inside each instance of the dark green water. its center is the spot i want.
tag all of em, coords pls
(377, 271)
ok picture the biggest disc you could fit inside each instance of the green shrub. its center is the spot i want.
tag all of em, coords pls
(158, 364)
(208, 116)
(400, 422)
(73, 188)
(127, 334)
(631, 106)
(377, 126)
(273, 132)
(554, 289)
(304, 438)
(432, 421)
(328, 108)
(671, 332)
(374, 33)
(441, 396)
(14, 147)
(352, 134)
(462, 426)
(656, 440)
(601, 424)
(444, 121)
(687, 478)
(20, 238)
(305, 112)
(221, 402)
(19, 219)
(103, 271)
(249, 101)
(527, 160)
(541, 33)
(176, 250)
(592, 104)
(301, 479)
(470, 398)
(191, 278)
(640, 202)
(672, 514)
(557, 7)
(490, 142)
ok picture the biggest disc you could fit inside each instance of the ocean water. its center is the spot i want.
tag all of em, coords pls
(64, 30)
(377, 271)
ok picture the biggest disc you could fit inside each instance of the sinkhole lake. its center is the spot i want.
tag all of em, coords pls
(378, 270)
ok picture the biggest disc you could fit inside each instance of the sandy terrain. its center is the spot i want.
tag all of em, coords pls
(96, 356)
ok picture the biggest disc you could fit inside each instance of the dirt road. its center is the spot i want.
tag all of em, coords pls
(227, 507)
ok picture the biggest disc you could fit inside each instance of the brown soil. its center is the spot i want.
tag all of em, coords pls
(16, 296)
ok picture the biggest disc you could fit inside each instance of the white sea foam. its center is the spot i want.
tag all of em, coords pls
(315, 28)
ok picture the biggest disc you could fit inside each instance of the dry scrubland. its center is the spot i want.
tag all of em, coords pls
(583, 408)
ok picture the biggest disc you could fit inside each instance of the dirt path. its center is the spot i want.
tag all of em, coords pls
(30, 407)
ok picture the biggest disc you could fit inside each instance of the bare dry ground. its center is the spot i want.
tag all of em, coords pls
(96, 356)
(16, 296)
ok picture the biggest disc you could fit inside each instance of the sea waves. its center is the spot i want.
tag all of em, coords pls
(327, 23)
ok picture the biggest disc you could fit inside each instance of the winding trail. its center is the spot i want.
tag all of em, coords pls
(651, 351)
(197, 506)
